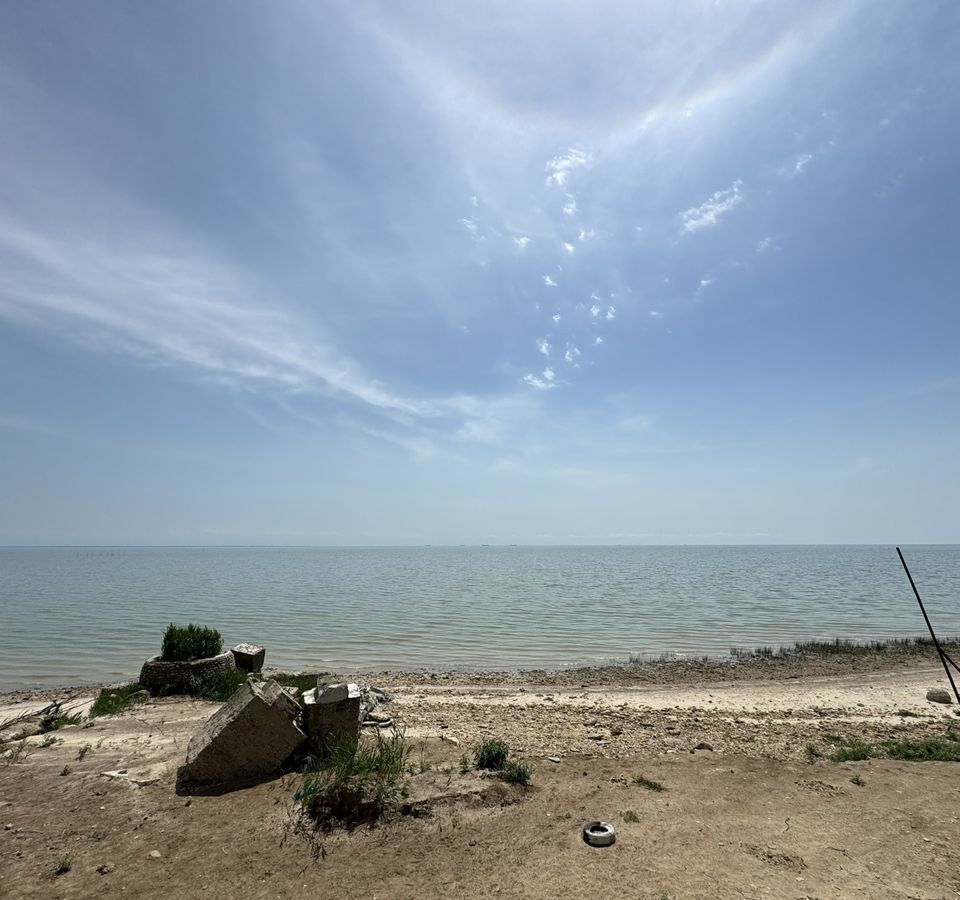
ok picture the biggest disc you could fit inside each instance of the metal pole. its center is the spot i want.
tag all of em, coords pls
(926, 619)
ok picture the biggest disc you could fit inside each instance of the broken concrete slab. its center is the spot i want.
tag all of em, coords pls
(249, 657)
(248, 738)
(331, 714)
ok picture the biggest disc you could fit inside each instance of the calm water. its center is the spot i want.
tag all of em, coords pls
(69, 615)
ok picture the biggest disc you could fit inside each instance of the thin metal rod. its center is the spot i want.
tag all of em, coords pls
(926, 618)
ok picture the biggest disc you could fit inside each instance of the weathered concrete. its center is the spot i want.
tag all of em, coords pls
(162, 677)
(249, 737)
(332, 714)
(249, 657)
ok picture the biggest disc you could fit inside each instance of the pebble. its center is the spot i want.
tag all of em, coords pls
(155, 854)
(703, 745)
(588, 722)
(554, 759)
(8, 826)
(105, 868)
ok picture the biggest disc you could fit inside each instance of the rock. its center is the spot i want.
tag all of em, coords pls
(588, 723)
(450, 739)
(554, 759)
(107, 868)
(938, 695)
(379, 717)
(249, 657)
(249, 737)
(332, 714)
(597, 736)
(703, 745)
(155, 854)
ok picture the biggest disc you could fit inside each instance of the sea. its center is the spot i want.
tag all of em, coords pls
(74, 615)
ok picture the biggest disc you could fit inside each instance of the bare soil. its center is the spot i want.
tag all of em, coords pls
(750, 817)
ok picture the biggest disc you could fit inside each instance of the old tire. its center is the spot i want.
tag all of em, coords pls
(599, 834)
(162, 677)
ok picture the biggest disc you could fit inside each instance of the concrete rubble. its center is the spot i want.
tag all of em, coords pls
(249, 737)
(249, 657)
(331, 713)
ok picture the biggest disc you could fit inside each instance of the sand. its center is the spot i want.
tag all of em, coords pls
(751, 817)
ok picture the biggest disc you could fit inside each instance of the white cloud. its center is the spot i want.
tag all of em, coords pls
(548, 374)
(571, 354)
(611, 312)
(802, 162)
(469, 224)
(569, 248)
(560, 167)
(570, 207)
(543, 345)
(655, 314)
(537, 383)
(764, 245)
(594, 310)
(548, 281)
(521, 242)
(597, 341)
(556, 317)
(584, 234)
(474, 201)
(710, 212)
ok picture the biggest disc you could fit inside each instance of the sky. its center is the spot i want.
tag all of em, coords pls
(549, 273)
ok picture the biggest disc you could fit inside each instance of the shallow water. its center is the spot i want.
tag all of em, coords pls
(93, 614)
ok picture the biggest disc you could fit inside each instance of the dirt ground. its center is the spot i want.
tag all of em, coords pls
(750, 817)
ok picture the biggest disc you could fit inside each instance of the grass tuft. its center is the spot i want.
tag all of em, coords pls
(63, 865)
(629, 816)
(83, 751)
(648, 783)
(113, 701)
(514, 772)
(491, 754)
(55, 723)
(356, 781)
(184, 642)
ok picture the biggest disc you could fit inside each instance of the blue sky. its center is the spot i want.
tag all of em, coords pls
(380, 273)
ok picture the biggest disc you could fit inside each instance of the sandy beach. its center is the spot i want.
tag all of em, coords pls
(759, 809)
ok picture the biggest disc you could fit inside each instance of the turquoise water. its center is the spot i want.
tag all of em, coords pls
(77, 615)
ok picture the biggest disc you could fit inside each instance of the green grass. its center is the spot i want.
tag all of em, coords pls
(184, 642)
(83, 751)
(857, 780)
(928, 749)
(113, 701)
(629, 815)
(464, 764)
(648, 783)
(63, 865)
(840, 646)
(514, 772)
(853, 750)
(66, 770)
(57, 722)
(356, 781)
(219, 685)
(491, 754)
(812, 753)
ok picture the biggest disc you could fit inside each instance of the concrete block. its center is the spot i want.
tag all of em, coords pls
(248, 738)
(249, 657)
(332, 714)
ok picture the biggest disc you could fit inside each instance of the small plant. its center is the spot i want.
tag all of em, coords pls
(185, 642)
(853, 750)
(113, 701)
(57, 722)
(66, 770)
(906, 713)
(929, 749)
(648, 783)
(48, 741)
(63, 865)
(514, 772)
(629, 816)
(219, 685)
(98, 835)
(16, 753)
(83, 751)
(425, 766)
(355, 781)
(812, 753)
(491, 754)
(857, 780)
(464, 764)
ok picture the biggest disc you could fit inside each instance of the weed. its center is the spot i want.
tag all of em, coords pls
(857, 780)
(929, 749)
(853, 750)
(219, 685)
(16, 753)
(356, 781)
(905, 713)
(834, 739)
(66, 770)
(48, 741)
(63, 865)
(464, 764)
(83, 751)
(629, 816)
(57, 722)
(514, 772)
(98, 835)
(491, 754)
(190, 642)
(113, 701)
(648, 783)
(813, 753)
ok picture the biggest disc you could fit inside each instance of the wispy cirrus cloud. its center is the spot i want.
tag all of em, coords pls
(711, 211)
